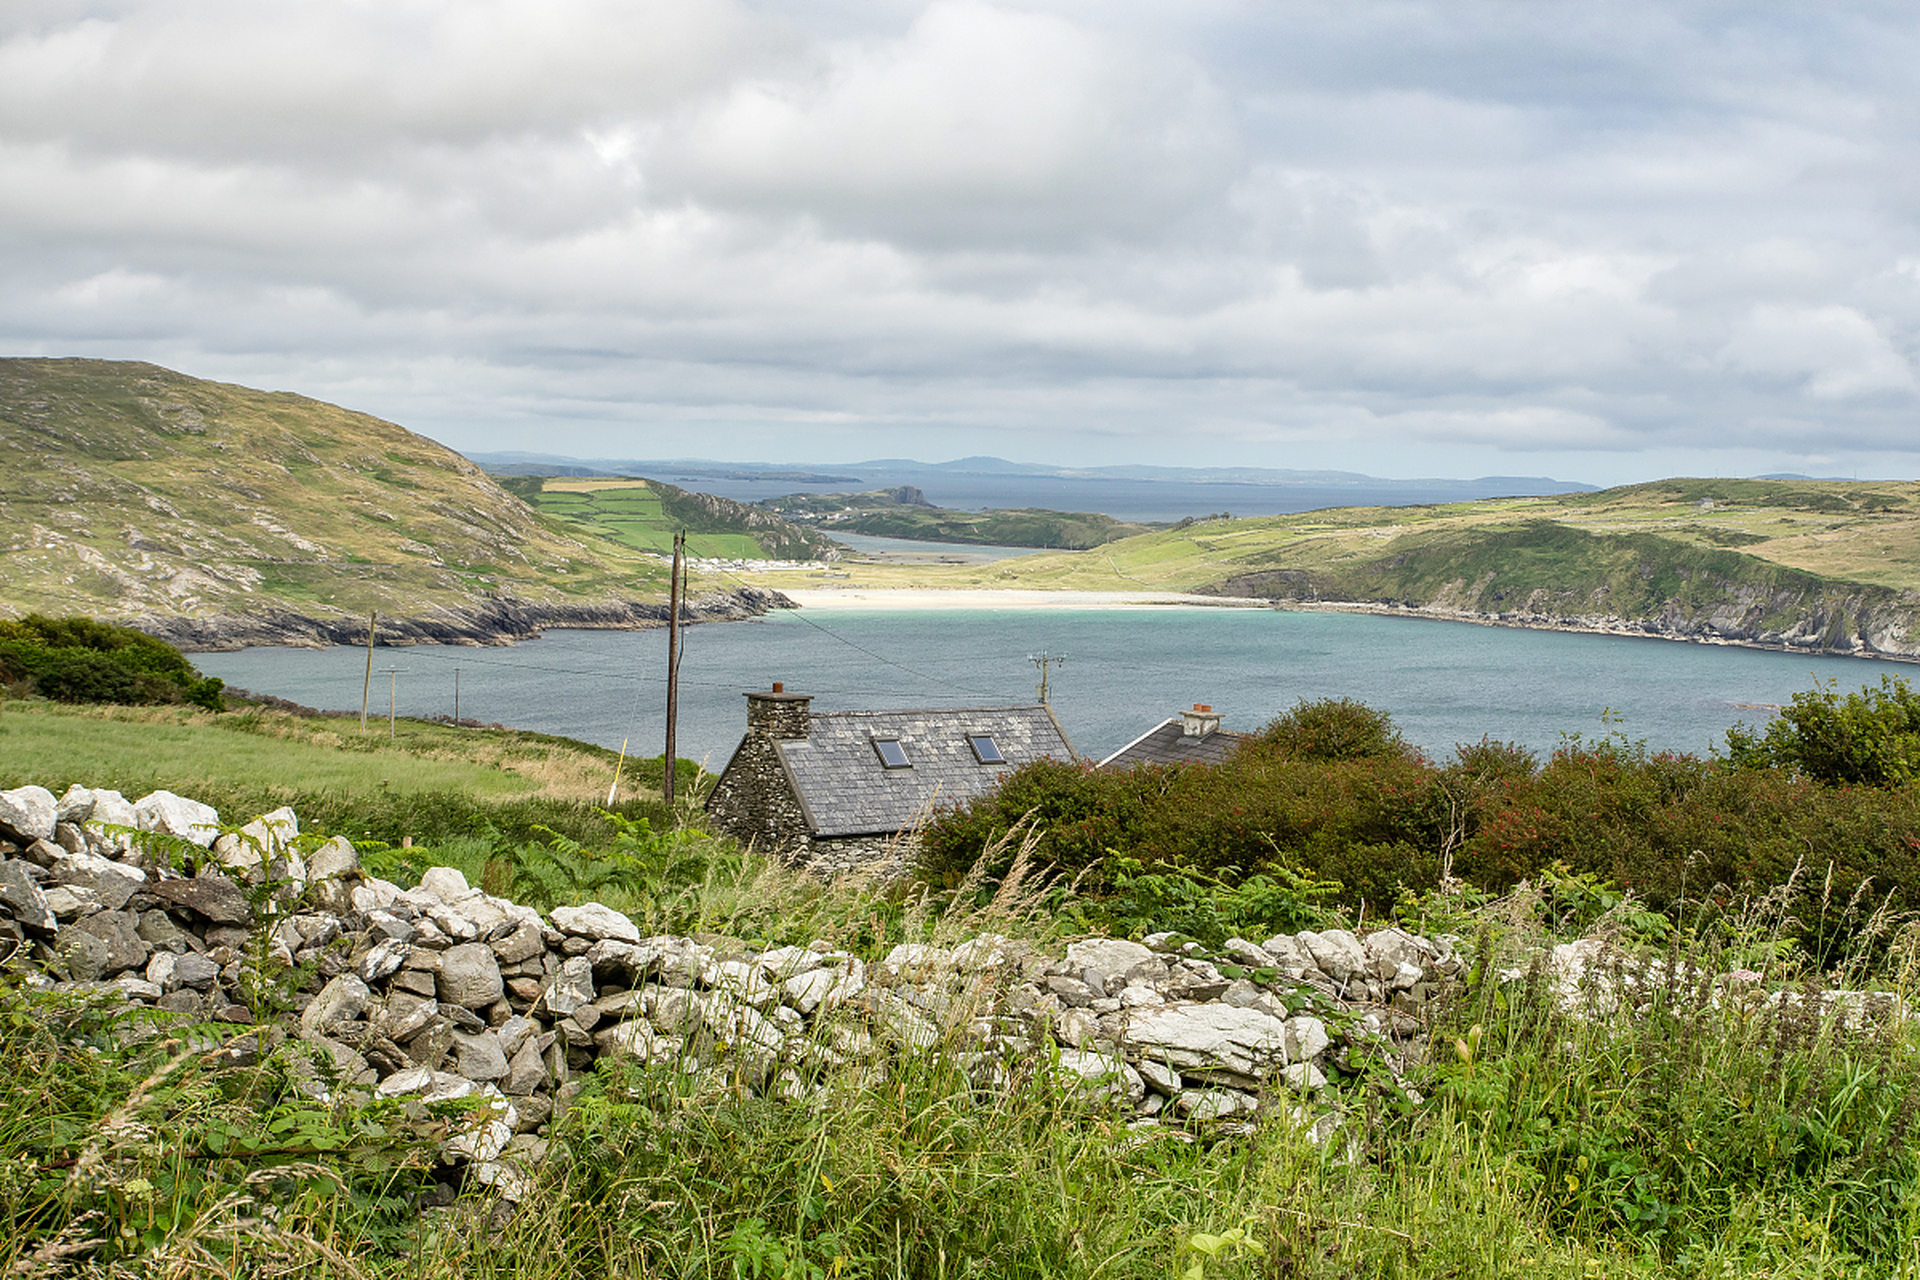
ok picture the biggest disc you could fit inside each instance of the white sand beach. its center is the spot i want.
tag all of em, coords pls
(932, 598)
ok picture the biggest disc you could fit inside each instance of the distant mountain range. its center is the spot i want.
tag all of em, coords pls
(516, 463)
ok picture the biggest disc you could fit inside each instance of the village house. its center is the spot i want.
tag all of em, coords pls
(840, 790)
(1192, 737)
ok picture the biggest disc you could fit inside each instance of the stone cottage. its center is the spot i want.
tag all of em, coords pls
(834, 791)
(1192, 737)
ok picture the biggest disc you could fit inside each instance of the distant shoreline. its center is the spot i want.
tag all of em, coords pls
(863, 599)
(927, 599)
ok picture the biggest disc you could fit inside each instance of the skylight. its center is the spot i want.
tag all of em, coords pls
(984, 749)
(891, 753)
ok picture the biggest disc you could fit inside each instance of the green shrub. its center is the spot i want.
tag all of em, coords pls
(80, 660)
(1870, 737)
(1681, 832)
(1335, 729)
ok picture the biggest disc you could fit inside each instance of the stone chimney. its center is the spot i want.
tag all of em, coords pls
(1199, 722)
(778, 714)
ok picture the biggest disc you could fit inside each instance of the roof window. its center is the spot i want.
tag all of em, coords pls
(984, 749)
(891, 753)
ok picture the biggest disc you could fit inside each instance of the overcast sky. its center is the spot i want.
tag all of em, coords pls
(1602, 242)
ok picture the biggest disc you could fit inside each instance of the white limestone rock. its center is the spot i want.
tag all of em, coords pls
(111, 883)
(110, 809)
(28, 813)
(1111, 958)
(469, 976)
(594, 921)
(1214, 1041)
(342, 1000)
(336, 858)
(75, 805)
(1102, 1075)
(169, 814)
(1336, 953)
(826, 988)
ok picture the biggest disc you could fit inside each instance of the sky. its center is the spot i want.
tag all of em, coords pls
(1599, 242)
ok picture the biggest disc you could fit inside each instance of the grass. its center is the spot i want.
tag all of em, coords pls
(1683, 1129)
(55, 745)
(1675, 1134)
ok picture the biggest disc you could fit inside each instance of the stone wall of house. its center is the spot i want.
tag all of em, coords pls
(880, 856)
(754, 803)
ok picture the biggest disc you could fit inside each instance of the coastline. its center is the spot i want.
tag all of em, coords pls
(930, 599)
(861, 599)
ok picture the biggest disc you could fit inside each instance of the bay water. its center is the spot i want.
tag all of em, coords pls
(1123, 671)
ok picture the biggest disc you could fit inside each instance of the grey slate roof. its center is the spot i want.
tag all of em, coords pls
(1167, 743)
(845, 790)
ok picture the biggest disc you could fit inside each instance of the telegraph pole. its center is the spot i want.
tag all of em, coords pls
(367, 686)
(673, 662)
(393, 691)
(456, 696)
(1045, 661)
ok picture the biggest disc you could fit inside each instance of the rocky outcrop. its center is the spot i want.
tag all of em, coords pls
(500, 621)
(1751, 604)
(441, 992)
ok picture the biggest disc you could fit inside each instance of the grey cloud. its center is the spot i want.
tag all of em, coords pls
(1333, 234)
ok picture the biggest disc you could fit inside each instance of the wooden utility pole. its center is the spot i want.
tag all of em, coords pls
(1045, 661)
(456, 697)
(365, 688)
(393, 697)
(673, 662)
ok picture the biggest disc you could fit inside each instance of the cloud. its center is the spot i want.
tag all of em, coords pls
(1385, 235)
(1832, 352)
(976, 122)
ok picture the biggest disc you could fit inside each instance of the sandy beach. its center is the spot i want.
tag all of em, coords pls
(931, 598)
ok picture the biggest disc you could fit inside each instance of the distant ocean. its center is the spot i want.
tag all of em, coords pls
(1125, 670)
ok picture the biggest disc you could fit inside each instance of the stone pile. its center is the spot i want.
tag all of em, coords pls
(441, 991)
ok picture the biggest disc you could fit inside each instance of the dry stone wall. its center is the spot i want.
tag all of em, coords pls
(441, 991)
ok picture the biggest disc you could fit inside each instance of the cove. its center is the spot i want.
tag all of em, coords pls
(1125, 669)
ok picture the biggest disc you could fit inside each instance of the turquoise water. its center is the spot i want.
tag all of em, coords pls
(1125, 670)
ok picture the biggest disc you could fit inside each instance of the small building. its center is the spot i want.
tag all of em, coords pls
(834, 791)
(1192, 737)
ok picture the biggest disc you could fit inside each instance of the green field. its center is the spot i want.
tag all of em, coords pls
(146, 748)
(632, 515)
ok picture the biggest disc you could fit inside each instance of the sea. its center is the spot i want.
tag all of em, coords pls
(1112, 674)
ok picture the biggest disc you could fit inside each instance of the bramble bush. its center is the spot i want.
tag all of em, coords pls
(1330, 793)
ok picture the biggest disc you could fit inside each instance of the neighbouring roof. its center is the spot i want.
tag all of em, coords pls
(846, 789)
(1168, 743)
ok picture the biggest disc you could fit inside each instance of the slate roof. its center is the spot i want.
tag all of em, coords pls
(845, 790)
(1168, 743)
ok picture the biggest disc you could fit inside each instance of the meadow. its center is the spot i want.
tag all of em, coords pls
(1679, 1133)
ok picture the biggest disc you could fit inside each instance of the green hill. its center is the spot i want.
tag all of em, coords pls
(215, 515)
(1821, 566)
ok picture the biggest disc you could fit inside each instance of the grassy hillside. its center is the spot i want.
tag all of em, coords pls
(643, 515)
(127, 488)
(218, 515)
(905, 513)
(1817, 564)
